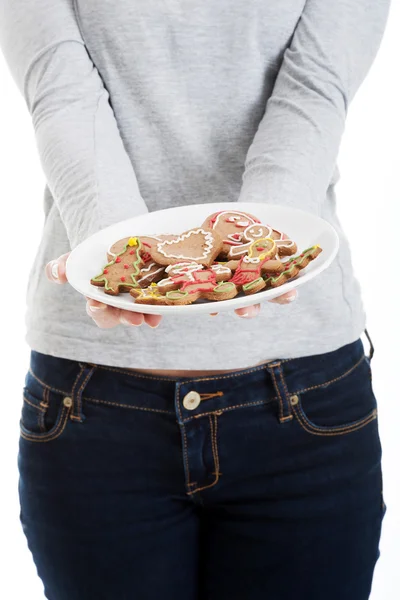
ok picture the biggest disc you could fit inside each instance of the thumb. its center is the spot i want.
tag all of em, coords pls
(55, 269)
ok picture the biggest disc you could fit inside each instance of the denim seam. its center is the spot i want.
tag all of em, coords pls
(36, 406)
(214, 446)
(79, 394)
(314, 387)
(156, 410)
(72, 416)
(340, 430)
(54, 434)
(53, 389)
(222, 410)
(183, 429)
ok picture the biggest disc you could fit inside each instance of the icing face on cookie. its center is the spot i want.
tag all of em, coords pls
(230, 225)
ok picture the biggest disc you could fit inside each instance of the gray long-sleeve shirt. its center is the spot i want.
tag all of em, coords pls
(150, 104)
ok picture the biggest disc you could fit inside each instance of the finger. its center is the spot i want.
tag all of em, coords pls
(128, 317)
(286, 298)
(152, 321)
(104, 316)
(56, 269)
(248, 312)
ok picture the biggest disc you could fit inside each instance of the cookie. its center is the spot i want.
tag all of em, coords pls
(200, 245)
(201, 289)
(292, 267)
(248, 275)
(284, 245)
(147, 242)
(149, 295)
(230, 225)
(122, 273)
(183, 273)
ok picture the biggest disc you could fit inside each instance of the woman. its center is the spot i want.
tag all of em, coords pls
(211, 458)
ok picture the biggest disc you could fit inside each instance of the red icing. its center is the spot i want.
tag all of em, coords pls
(105, 271)
(118, 259)
(146, 244)
(132, 252)
(146, 257)
(123, 278)
(126, 266)
(203, 285)
(260, 249)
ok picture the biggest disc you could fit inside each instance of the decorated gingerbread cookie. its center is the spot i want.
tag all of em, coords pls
(122, 273)
(230, 225)
(199, 245)
(149, 295)
(147, 242)
(248, 275)
(182, 273)
(292, 267)
(255, 232)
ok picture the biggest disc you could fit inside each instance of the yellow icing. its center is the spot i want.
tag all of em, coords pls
(133, 241)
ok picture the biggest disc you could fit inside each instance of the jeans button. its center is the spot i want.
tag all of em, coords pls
(191, 400)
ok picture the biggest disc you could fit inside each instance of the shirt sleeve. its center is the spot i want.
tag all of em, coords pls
(292, 158)
(88, 171)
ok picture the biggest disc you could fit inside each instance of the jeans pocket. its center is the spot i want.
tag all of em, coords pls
(340, 407)
(44, 412)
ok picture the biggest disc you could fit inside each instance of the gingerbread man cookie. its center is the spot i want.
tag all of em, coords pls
(248, 274)
(230, 225)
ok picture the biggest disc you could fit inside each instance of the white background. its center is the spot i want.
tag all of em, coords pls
(368, 199)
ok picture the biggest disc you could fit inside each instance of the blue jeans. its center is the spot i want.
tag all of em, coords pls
(261, 484)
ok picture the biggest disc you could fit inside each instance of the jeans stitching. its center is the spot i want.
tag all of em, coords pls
(44, 404)
(79, 394)
(156, 410)
(279, 396)
(54, 434)
(340, 430)
(222, 410)
(36, 406)
(63, 392)
(183, 429)
(315, 387)
(72, 415)
(214, 446)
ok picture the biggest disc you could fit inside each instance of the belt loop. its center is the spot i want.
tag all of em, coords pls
(81, 381)
(371, 346)
(285, 407)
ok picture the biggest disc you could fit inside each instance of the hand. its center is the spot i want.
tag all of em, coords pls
(248, 312)
(103, 315)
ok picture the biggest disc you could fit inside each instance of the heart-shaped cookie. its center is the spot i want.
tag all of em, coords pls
(200, 245)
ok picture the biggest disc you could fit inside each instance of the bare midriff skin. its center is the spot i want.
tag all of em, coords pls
(178, 374)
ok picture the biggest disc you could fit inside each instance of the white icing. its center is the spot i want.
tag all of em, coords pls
(152, 237)
(234, 215)
(208, 239)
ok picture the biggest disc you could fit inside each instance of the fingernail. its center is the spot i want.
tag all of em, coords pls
(153, 326)
(94, 308)
(245, 314)
(54, 269)
(125, 321)
(291, 298)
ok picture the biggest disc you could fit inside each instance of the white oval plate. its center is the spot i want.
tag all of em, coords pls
(89, 258)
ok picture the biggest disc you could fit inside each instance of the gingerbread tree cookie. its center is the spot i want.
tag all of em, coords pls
(121, 274)
(292, 267)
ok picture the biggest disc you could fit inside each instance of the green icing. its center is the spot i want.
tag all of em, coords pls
(224, 286)
(249, 286)
(293, 263)
(176, 295)
(134, 284)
